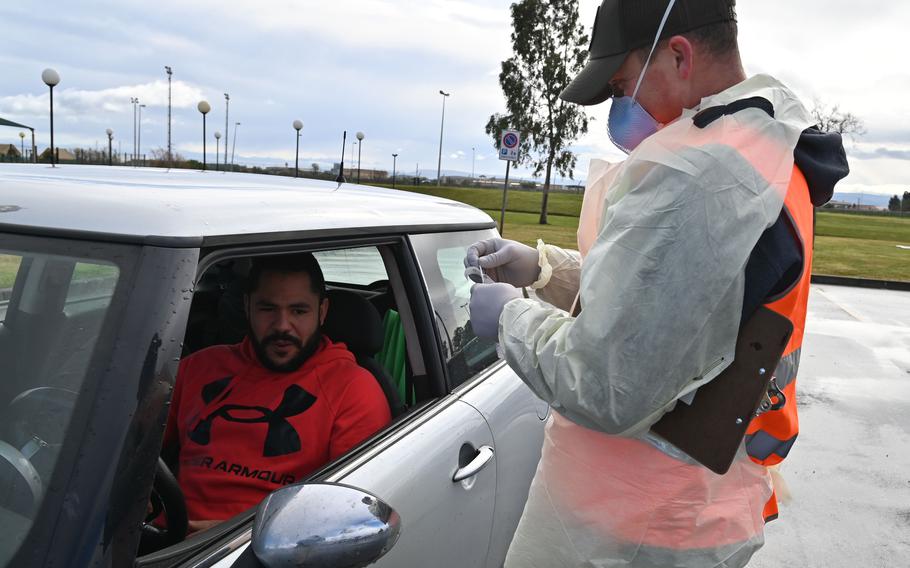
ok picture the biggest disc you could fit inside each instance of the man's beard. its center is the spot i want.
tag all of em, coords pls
(305, 350)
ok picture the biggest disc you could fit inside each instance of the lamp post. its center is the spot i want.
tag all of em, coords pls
(217, 141)
(442, 124)
(51, 78)
(234, 145)
(22, 145)
(134, 102)
(204, 107)
(110, 146)
(472, 165)
(169, 72)
(139, 137)
(394, 162)
(227, 101)
(359, 148)
(297, 126)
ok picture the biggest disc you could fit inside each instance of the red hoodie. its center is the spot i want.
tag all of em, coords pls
(244, 431)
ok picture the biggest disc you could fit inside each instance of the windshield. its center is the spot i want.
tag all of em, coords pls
(55, 297)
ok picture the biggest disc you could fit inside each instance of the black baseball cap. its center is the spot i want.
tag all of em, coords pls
(622, 26)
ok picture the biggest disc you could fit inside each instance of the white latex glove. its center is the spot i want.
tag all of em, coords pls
(487, 301)
(504, 261)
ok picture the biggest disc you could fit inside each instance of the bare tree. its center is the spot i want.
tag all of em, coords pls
(833, 119)
(160, 155)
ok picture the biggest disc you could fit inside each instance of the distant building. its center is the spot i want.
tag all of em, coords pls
(350, 174)
(63, 155)
(9, 151)
(852, 206)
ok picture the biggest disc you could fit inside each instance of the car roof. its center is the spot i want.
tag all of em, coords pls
(180, 207)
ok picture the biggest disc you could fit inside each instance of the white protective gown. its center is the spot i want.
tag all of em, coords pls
(669, 231)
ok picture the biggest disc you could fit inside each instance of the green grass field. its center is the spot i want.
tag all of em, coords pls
(846, 245)
(519, 201)
(9, 265)
(862, 246)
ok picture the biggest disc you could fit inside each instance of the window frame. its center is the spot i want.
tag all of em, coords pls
(471, 380)
(407, 285)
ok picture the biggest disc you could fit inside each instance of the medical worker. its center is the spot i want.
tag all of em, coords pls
(709, 218)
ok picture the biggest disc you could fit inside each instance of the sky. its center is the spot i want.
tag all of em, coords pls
(377, 66)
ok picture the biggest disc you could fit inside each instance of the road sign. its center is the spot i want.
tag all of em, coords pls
(508, 145)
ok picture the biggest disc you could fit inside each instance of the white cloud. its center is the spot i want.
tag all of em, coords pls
(79, 102)
(458, 29)
(377, 66)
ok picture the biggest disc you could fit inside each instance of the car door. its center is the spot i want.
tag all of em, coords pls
(435, 466)
(439, 467)
(478, 376)
(418, 470)
(444, 523)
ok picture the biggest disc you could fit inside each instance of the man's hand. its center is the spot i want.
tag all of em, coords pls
(196, 526)
(504, 261)
(487, 301)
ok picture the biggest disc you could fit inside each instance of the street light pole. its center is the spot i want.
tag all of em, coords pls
(297, 126)
(227, 101)
(133, 101)
(110, 146)
(204, 107)
(234, 145)
(394, 162)
(217, 141)
(472, 165)
(139, 137)
(169, 72)
(359, 148)
(442, 124)
(22, 145)
(51, 78)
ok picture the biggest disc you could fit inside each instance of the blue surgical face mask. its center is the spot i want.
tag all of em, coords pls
(629, 123)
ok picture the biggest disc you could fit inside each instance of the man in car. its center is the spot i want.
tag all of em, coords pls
(249, 418)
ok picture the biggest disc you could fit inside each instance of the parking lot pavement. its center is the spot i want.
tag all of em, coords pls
(849, 470)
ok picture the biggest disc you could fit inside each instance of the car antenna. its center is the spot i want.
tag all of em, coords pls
(344, 142)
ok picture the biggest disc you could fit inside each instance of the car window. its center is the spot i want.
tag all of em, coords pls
(441, 258)
(360, 266)
(91, 287)
(52, 308)
(9, 267)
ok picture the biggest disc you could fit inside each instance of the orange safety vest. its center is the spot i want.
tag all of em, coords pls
(771, 435)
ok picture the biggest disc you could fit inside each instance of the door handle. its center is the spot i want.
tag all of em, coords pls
(483, 457)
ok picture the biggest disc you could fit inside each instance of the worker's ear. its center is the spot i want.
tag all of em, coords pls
(323, 310)
(683, 56)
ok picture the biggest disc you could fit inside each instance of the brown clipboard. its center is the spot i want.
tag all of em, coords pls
(711, 428)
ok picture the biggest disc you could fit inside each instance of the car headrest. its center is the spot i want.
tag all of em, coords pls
(354, 321)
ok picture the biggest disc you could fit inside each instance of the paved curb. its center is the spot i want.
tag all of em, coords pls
(861, 282)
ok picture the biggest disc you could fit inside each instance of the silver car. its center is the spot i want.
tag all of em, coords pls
(109, 275)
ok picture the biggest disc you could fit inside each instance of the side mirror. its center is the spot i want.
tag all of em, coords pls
(323, 524)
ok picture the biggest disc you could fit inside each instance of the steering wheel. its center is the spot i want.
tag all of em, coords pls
(166, 497)
(32, 432)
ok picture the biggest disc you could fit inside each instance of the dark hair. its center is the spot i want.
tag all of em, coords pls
(287, 263)
(719, 40)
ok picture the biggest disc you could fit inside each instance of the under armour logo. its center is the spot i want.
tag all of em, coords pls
(281, 438)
